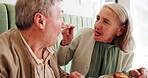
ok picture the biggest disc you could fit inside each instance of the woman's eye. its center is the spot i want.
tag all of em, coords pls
(107, 22)
(98, 18)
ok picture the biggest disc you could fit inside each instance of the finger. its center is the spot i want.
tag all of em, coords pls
(69, 25)
(144, 72)
(79, 75)
(67, 31)
(67, 28)
(140, 69)
(73, 75)
(71, 29)
(134, 73)
(64, 32)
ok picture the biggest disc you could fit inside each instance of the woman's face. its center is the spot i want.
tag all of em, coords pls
(106, 26)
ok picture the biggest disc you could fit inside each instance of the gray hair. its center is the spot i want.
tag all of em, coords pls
(26, 9)
(125, 42)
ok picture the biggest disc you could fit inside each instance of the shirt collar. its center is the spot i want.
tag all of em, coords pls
(47, 51)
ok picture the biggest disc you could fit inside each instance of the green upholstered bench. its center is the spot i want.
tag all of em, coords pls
(7, 17)
(78, 21)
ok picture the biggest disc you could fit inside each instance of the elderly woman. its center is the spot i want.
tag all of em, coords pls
(106, 49)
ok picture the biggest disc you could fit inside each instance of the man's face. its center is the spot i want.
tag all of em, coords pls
(54, 23)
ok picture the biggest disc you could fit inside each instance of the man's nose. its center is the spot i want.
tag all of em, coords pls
(63, 25)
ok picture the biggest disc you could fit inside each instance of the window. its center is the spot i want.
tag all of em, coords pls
(139, 13)
(97, 4)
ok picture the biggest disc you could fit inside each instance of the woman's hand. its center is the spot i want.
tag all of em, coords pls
(67, 35)
(76, 75)
(139, 73)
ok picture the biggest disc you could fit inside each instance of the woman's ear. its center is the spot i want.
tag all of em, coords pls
(121, 30)
(39, 20)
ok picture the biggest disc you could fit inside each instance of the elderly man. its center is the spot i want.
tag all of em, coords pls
(27, 52)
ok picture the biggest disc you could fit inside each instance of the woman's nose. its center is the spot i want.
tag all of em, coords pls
(98, 25)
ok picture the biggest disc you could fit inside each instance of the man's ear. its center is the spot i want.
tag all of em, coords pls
(121, 30)
(39, 20)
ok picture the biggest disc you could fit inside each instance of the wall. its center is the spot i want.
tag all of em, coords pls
(125, 3)
(76, 7)
(8, 1)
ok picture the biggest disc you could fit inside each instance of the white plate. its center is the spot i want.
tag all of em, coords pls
(106, 76)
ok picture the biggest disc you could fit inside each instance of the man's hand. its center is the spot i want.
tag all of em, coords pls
(67, 34)
(139, 73)
(76, 75)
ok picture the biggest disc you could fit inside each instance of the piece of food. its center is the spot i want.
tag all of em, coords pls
(121, 75)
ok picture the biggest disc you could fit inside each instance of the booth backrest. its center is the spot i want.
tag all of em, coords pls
(7, 17)
(78, 21)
